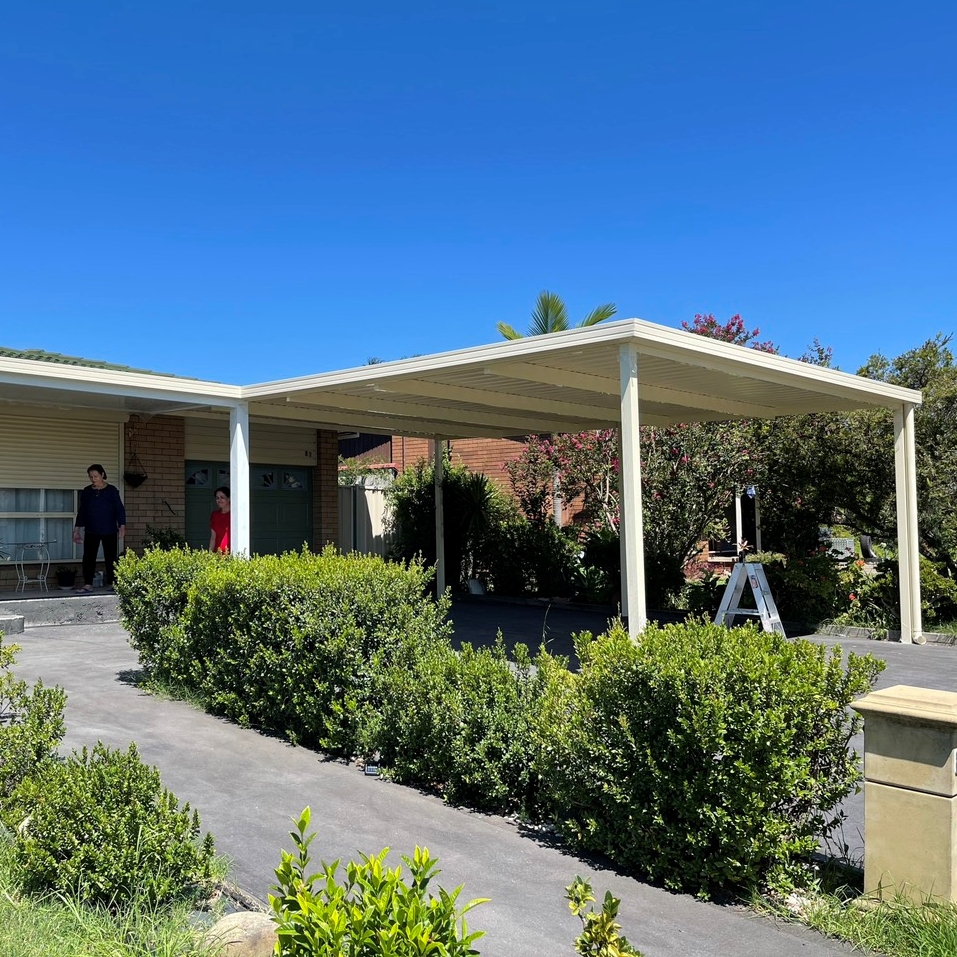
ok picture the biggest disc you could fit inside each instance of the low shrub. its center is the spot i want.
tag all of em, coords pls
(872, 597)
(485, 534)
(288, 643)
(700, 756)
(101, 827)
(704, 588)
(460, 722)
(153, 588)
(373, 911)
(806, 589)
(31, 723)
(164, 537)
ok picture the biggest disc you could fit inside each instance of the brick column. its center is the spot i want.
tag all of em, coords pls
(160, 445)
(325, 490)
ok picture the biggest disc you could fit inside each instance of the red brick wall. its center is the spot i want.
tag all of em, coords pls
(478, 455)
(325, 490)
(160, 445)
(407, 450)
(488, 456)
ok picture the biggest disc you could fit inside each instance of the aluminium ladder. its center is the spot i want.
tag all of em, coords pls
(749, 573)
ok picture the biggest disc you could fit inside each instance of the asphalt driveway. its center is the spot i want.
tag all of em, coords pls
(247, 788)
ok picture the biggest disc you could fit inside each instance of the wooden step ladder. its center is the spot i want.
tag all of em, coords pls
(749, 573)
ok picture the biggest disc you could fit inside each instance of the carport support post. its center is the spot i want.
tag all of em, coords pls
(630, 523)
(239, 479)
(907, 554)
(438, 472)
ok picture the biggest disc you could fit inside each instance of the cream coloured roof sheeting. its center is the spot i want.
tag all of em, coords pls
(569, 381)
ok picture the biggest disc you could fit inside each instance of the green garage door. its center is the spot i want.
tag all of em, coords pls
(280, 505)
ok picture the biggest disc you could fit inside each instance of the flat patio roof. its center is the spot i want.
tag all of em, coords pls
(563, 382)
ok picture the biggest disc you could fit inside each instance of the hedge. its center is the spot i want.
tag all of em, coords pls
(701, 757)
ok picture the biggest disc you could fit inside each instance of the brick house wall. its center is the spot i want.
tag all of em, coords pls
(488, 456)
(478, 455)
(325, 490)
(160, 444)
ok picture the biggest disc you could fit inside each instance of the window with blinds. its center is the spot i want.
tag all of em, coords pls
(34, 515)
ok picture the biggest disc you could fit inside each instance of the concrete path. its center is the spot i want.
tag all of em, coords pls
(248, 787)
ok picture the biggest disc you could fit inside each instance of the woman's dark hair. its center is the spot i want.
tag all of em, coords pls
(224, 489)
(97, 468)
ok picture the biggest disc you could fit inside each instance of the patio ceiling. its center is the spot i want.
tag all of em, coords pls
(567, 382)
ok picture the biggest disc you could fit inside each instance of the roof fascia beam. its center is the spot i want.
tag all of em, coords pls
(548, 375)
(764, 367)
(453, 418)
(137, 387)
(322, 418)
(499, 400)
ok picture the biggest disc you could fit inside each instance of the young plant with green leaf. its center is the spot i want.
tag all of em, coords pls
(373, 912)
(600, 934)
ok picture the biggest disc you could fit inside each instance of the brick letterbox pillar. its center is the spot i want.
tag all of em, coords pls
(910, 792)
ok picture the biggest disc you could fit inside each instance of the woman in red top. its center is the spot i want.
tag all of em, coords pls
(219, 522)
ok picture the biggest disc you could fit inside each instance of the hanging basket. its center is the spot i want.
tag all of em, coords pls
(135, 474)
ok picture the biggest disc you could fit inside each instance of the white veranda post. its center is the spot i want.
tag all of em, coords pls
(438, 471)
(905, 468)
(630, 527)
(239, 479)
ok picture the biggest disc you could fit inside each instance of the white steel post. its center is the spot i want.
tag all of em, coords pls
(439, 475)
(630, 527)
(239, 479)
(905, 468)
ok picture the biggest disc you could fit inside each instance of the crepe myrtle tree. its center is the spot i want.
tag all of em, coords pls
(689, 473)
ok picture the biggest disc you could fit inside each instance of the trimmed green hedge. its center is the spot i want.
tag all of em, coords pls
(288, 643)
(460, 722)
(706, 758)
(700, 756)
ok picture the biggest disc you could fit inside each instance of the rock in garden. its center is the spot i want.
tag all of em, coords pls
(246, 934)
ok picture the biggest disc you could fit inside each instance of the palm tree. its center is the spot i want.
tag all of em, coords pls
(550, 315)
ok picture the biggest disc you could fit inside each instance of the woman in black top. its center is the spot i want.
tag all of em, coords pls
(102, 518)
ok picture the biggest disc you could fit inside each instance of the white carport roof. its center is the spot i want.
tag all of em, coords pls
(567, 382)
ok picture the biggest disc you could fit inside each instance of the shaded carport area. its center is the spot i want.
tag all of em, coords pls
(623, 374)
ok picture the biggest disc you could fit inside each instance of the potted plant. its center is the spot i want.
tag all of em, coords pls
(65, 576)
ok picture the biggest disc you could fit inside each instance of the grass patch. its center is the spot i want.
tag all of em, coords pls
(896, 927)
(52, 926)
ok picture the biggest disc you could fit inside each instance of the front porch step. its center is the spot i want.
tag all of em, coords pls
(56, 609)
(11, 624)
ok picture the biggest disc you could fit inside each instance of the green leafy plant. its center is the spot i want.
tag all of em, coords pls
(164, 537)
(58, 925)
(153, 588)
(101, 826)
(31, 723)
(600, 930)
(805, 588)
(373, 912)
(872, 598)
(684, 758)
(704, 589)
(460, 722)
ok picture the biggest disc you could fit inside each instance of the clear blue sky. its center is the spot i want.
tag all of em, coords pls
(246, 191)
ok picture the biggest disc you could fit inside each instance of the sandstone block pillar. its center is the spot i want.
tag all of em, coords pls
(910, 792)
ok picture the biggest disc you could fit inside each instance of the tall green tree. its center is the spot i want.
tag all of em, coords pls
(551, 315)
